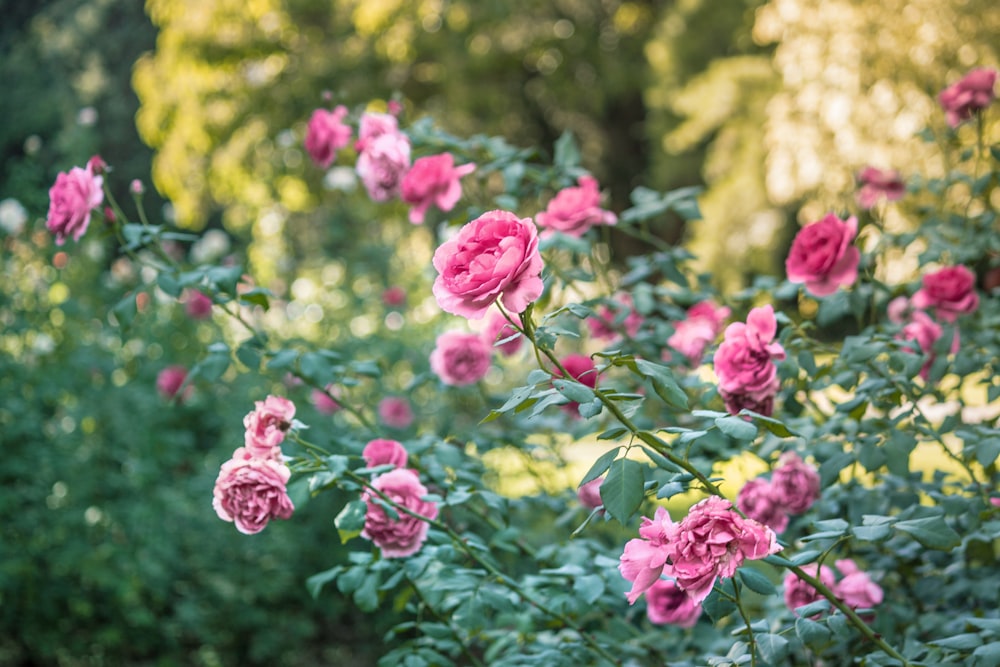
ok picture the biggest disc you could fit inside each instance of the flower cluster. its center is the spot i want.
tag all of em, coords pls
(855, 588)
(972, 93)
(744, 363)
(792, 489)
(612, 318)
(698, 330)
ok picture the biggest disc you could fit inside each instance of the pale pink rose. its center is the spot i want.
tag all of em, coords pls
(170, 380)
(401, 537)
(71, 199)
(326, 134)
(251, 491)
(381, 451)
(492, 257)
(972, 93)
(795, 483)
(644, 557)
(822, 256)
(267, 425)
(611, 319)
(581, 368)
(856, 588)
(574, 210)
(497, 329)
(324, 401)
(136, 187)
(395, 412)
(798, 593)
(589, 494)
(876, 184)
(394, 296)
(950, 291)
(372, 126)
(898, 310)
(925, 332)
(744, 362)
(197, 305)
(382, 165)
(433, 180)
(695, 333)
(460, 359)
(995, 501)
(758, 500)
(667, 604)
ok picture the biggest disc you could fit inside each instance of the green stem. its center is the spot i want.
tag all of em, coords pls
(746, 619)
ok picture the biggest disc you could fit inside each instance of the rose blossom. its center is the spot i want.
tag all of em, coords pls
(372, 126)
(574, 210)
(644, 557)
(876, 183)
(380, 451)
(495, 254)
(757, 499)
(460, 359)
(822, 256)
(197, 305)
(898, 309)
(589, 494)
(612, 317)
(950, 291)
(321, 398)
(497, 329)
(856, 588)
(250, 491)
(382, 164)
(170, 380)
(667, 604)
(798, 593)
(744, 363)
(925, 332)
(395, 412)
(970, 94)
(582, 369)
(433, 180)
(71, 199)
(795, 483)
(394, 296)
(266, 426)
(326, 134)
(401, 537)
(702, 326)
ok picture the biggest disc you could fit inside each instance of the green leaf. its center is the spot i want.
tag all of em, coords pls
(167, 281)
(987, 655)
(214, 365)
(315, 583)
(351, 520)
(573, 390)
(282, 359)
(987, 451)
(125, 310)
(773, 425)
(963, 642)
(811, 633)
(623, 490)
(772, 648)
(613, 433)
(567, 153)
(225, 278)
(589, 587)
(298, 492)
(737, 427)
(664, 383)
(830, 469)
(932, 532)
(872, 533)
(813, 608)
(249, 354)
(258, 296)
(602, 463)
(756, 581)
(717, 607)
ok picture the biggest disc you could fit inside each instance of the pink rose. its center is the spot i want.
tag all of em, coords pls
(744, 362)
(394, 296)
(326, 134)
(372, 126)
(822, 256)
(251, 491)
(950, 291)
(695, 333)
(970, 94)
(71, 199)
(381, 451)
(267, 425)
(589, 494)
(401, 537)
(136, 187)
(798, 593)
(460, 359)
(382, 164)
(612, 318)
(433, 180)
(856, 588)
(795, 483)
(324, 401)
(575, 210)
(495, 254)
(876, 183)
(582, 369)
(170, 380)
(995, 501)
(497, 329)
(644, 558)
(758, 500)
(197, 305)
(898, 310)
(925, 332)
(395, 412)
(667, 604)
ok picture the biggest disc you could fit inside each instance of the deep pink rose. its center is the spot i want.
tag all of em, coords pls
(925, 332)
(744, 362)
(394, 296)
(267, 425)
(170, 380)
(667, 604)
(795, 483)
(323, 401)
(757, 499)
(497, 329)
(372, 126)
(575, 210)
(495, 254)
(381, 451)
(589, 494)
(326, 134)
(251, 491)
(822, 256)
(395, 412)
(798, 593)
(197, 305)
(460, 359)
(696, 332)
(876, 183)
(71, 199)
(970, 94)
(401, 537)
(950, 291)
(644, 557)
(856, 588)
(433, 180)
(382, 165)
(581, 368)
(610, 319)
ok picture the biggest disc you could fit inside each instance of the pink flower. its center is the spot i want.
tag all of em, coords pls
(589, 494)
(925, 332)
(856, 588)
(251, 491)
(795, 483)
(695, 333)
(970, 94)
(744, 362)
(403, 536)
(97, 165)
(574, 210)
(170, 380)
(876, 183)
(326, 134)
(950, 291)
(382, 164)
(71, 199)
(460, 359)
(822, 256)
(395, 412)
(581, 368)
(136, 187)
(798, 593)
(667, 604)
(611, 318)
(492, 257)
(372, 126)
(394, 296)
(266, 426)
(433, 180)
(757, 499)
(995, 501)
(644, 558)
(380, 451)
(496, 329)
(323, 401)
(197, 305)
(898, 310)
